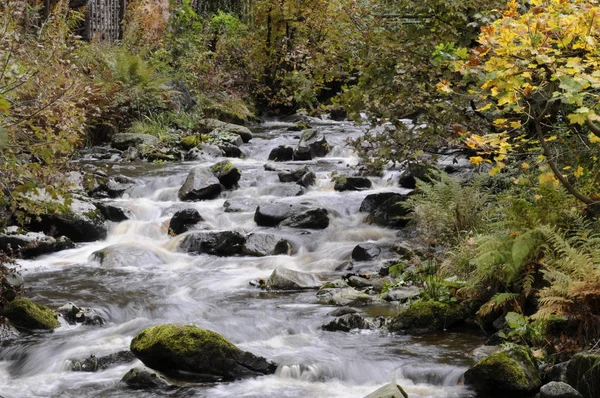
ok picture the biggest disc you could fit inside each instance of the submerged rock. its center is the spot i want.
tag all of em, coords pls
(281, 154)
(388, 391)
(93, 363)
(386, 209)
(123, 141)
(428, 316)
(343, 183)
(260, 245)
(287, 279)
(190, 352)
(128, 255)
(142, 377)
(200, 184)
(25, 314)
(312, 219)
(32, 244)
(74, 314)
(583, 373)
(183, 220)
(219, 243)
(508, 372)
(365, 252)
(347, 322)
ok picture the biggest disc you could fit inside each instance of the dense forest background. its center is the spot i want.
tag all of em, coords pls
(514, 87)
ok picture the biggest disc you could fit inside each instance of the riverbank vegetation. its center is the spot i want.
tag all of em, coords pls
(513, 88)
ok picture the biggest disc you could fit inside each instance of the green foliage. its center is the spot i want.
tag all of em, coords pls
(521, 330)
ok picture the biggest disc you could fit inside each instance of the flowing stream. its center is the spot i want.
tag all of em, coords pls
(214, 293)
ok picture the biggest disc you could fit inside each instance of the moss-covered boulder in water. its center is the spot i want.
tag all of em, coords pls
(511, 371)
(26, 314)
(182, 351)
(428, 316)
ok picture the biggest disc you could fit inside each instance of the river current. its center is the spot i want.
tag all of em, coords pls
(214, 292)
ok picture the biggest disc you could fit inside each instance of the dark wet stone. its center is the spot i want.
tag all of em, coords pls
(583, 373)
(312, 145)
(74, 314)
(219, 243)
(227, 174)
(200, 184)
(281, 154)
(344, 183)
(365, 252)
(93, 363)
(141, 377)
(311, 219)
(271, 214)
(386, 209)
(260, 244)
(32, 244)
(114, 212)
(183, 220)
(346, 322)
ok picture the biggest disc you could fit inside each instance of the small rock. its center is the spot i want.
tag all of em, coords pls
(388, 391)
(415, 171)
(74, 314)
(123, 141)
(142, 377)
(346, 322)
(402, 294)
(312, 219)
(113, 212)
(271, 214)
(219, 243)
(93, 363)
(557, 389)
(343, 183)
(281, 154)
(200, 184)
(241, 205)
(312, 144)
(83, 222)
(287, 279)
(343, 297)
(343, 311)
(183, 220)
(260, 245)
(301, 176)
(231, 151)
(365, 252)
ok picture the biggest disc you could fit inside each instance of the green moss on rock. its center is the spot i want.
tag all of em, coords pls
(190, 141)
(201, 354)
(26, 314)
(512, 370)
(583, 373)
(428, 316)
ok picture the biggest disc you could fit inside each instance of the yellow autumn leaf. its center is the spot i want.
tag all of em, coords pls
(578, 172)
(594, 139)
(444, 87)
(496, 169)
(524, 165)
(476, 160)
(546, 178)
(551, 138)
(516, 124)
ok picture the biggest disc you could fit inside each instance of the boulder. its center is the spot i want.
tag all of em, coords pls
(74, 315)
(346, 322)
(414, 171)
(260, 245)
(179, 350)
(312, 145)
(93, 363)
(227, 174)
(312, 219)
(32, 244)
(343, 183)
(508, 372)
(221, 136)
(142, 377)
(128, 255)
(123, 141)
(428, 316)
(240, 205)
(208, 125)
(183, 220)
(557, 389)
(83, 222)
(287, 279)
(271, 214)
(385, 209)
(219, 243)
(114, 212)
(390, 390)
(343, 297)
(281, 154)
(200, 184)
(204, 152)
(301, 176)
(25, 314)
(583, 373)
(365, 252)
(231, 151)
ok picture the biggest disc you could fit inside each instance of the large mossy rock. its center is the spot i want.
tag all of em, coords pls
(208, 125)
(511, 371)
(200, 184)
(386, 209)
(583, 373)
(219, 243)
(390, 390)
(178, 350)
(124, 141)
(428, 316)
(25, 314)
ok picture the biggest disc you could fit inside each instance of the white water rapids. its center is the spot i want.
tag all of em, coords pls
(214, 293)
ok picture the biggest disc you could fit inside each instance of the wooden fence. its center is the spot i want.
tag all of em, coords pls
(103, 19)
